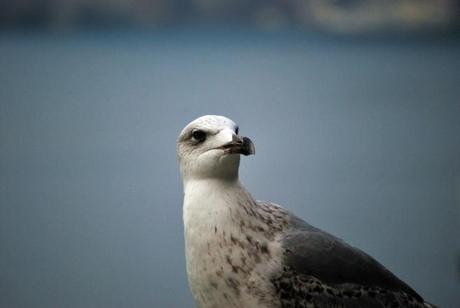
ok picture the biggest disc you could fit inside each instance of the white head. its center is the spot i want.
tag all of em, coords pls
(210, 147)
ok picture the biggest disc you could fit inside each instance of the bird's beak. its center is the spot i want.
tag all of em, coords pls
(239, 145)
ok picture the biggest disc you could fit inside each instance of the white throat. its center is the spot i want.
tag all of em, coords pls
(208, 202)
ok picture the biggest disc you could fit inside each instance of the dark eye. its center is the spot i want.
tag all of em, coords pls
(237, 129)
(199, 135)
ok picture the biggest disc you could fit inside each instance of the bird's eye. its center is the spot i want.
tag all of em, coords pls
(237, 129)
(199, 135)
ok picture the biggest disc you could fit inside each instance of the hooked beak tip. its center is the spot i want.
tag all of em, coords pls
(248, 147)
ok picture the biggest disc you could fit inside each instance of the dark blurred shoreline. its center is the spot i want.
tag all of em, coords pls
(342, 19)
(218, 33)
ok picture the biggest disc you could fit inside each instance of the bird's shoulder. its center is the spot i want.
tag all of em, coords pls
(311, 251)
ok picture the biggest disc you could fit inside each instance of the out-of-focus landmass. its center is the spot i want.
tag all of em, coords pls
(333, 16)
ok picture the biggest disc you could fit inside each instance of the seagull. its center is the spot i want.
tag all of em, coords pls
(241, 252)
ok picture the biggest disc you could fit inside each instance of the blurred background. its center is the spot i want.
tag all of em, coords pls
(353, 106)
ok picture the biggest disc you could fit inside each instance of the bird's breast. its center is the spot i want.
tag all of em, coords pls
(230, 256)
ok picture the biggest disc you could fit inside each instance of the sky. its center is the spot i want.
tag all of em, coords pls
(357, 137)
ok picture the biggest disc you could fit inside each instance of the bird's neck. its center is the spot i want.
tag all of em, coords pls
(216, 190)
(211, 201)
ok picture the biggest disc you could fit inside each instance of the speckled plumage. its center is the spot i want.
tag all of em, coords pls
(246, 253)
(231, 248)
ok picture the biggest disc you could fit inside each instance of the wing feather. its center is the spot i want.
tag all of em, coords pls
(311, 251)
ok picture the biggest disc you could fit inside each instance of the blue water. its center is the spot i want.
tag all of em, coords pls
(358, 137)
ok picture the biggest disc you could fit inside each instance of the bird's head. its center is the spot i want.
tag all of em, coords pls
(210, 147)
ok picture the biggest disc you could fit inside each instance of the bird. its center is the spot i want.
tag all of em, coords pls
(241, 252)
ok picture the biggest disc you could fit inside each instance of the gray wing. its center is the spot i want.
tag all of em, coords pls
(313, 252)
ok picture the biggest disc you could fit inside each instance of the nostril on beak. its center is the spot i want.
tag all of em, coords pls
(236, 139)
